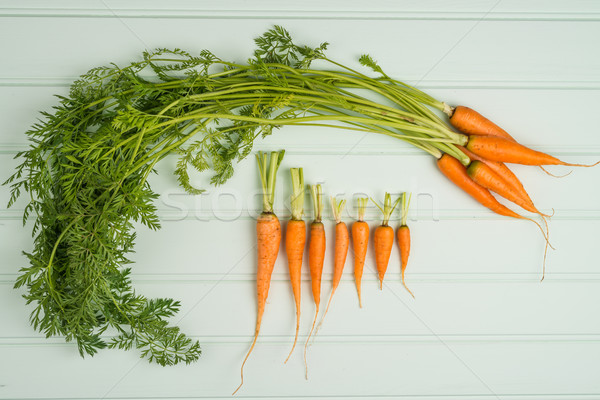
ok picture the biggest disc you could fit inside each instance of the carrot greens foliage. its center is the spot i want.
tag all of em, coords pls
(85, 173)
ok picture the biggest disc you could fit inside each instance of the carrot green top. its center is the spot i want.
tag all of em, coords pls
(337, 209)
(388, 208)
(362, 207)
(404, 207)
(268, 174)
(297, 201)
(316, 192)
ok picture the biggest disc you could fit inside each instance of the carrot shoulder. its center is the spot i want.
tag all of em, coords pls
(268, 237)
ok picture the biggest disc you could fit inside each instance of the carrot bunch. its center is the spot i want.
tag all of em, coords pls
(489, 147)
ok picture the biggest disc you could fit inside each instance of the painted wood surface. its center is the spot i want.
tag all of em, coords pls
(482, 326)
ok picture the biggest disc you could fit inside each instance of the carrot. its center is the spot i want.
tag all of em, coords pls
(486, 177)
(316, 256)
(268, 237)
(482, 174)
(360, 242)
(295, 239)
(499, 149)
(404, 239)
(383, 239)
(342, 241)
(505, 173)
(471, 122)
(457, 173)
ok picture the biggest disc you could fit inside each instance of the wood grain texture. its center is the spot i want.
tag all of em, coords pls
(482, 325)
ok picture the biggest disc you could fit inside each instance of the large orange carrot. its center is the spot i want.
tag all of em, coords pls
(316, 257)
(383, 239)
(504, 172)
(457, 173)
(268, 237)
(404, 239)
(295, 239)
(471, 122)
(499, 149)
(342, 241)
(482, 174)
(360, 242)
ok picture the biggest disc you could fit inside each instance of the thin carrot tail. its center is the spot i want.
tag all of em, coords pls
(358, 290)
(546, 236)
(295, 338)
(545, 251)
(553, 175)
(580, 165)
(406, 287)
(246, 359)
(306, 344)
(323, 317)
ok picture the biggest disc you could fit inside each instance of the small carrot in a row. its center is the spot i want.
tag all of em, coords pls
(316, 257)
(268, 237)
(404, 238)
(342, 240)
(360, 242)
(383, 239)
(295, 239)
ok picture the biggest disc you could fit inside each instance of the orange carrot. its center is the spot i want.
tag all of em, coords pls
(471, 122)
(486, 177)
(499, 149)
(383, 239)
(316, 257)
(342, 241)
(268, 237)
(504, 172)
(457, 173)
(295, 239)
(360, 241)
(404, 239)
(482, 174)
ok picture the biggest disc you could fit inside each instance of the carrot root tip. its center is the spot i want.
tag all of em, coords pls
(553, 175)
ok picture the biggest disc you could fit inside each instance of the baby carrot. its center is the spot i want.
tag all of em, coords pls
(404, 239)
(342, 242)
(360, 241)
(316, 256)
(295, 239)
(268, 237)
(383, 239)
